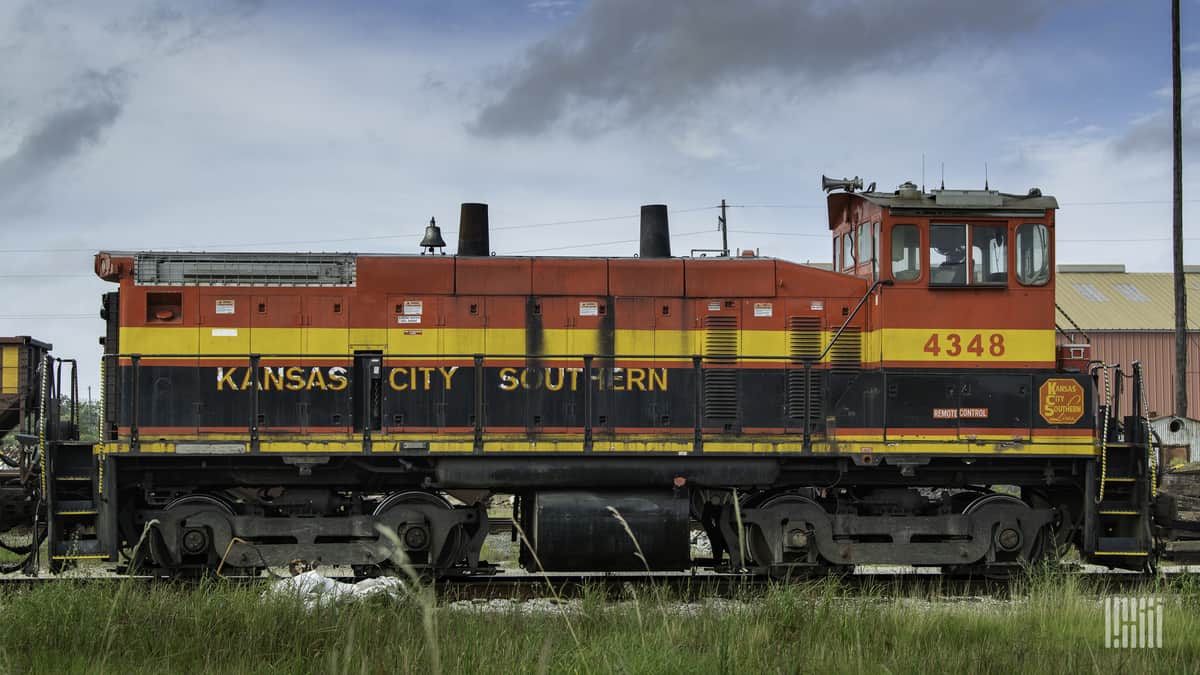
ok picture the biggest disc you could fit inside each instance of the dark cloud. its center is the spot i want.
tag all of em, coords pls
(1152, 135)
(65, 132)
(638, 57)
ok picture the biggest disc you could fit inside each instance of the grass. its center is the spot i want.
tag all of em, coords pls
(1053, 624)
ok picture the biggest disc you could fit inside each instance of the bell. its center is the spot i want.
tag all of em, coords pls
(433, 238)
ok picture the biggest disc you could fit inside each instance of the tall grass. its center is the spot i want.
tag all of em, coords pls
(1052, 623)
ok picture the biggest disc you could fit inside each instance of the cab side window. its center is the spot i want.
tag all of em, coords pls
(1033, 254)
(989, 254)
(848, 251)
(865, 247)
(961, 255)
(906, 253)
(947, 255)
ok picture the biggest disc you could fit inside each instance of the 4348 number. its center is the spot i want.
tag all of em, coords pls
(954, 344)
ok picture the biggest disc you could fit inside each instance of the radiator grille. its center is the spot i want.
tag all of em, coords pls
(846, 353)
(804, 342)
(720, 382)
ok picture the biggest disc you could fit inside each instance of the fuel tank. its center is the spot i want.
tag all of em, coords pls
(576, 530)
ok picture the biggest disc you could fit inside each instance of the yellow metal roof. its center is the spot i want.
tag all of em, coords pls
(1105, 297)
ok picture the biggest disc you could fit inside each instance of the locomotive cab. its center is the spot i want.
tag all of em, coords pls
(980, 257)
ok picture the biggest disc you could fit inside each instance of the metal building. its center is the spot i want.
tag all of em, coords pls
(1129, 317)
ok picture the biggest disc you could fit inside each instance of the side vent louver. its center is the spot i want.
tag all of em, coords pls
(804, 390)
(846, 353)
(720, 372)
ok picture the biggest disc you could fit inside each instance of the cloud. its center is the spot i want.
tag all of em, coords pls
(70, 70)
(630, 59)
(66, 131)
(1152, 133)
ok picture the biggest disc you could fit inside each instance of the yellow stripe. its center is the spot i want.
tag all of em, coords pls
(636, 444)
(891, 344)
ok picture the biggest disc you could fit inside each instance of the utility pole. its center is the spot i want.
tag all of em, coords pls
(1181, 336)
(724, 231)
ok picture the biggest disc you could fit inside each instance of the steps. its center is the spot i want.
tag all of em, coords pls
(72, 505)
(1122, 511)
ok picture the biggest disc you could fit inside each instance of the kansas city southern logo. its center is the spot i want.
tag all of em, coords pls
(1060, 401)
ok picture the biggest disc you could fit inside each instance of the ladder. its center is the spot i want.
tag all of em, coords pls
(1120, 529)
(71, 505)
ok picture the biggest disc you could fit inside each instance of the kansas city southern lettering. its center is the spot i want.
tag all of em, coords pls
(426, 378)
(284, 378)
(558, 379)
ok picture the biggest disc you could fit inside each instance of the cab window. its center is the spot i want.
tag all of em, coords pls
(875, 251)
(864, 243)
(947, 255)
(848, 251)
(989, 254)
(950, 264)
(1033, 254)
(906, 253)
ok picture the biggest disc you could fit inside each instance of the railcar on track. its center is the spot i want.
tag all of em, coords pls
(908, 406)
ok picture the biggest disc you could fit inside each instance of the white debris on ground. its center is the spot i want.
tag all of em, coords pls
(506, 605)
(701, 546)
(317, 590)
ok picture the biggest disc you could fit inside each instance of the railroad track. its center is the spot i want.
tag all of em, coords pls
(683, 586)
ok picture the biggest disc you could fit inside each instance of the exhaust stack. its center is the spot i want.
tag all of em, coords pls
(656, 233)
(473, 230)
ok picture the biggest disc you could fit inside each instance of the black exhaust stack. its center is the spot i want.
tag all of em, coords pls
(473, 230)
(656, 234)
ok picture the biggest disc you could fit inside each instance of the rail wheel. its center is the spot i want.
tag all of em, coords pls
(418, 536)
(1013, 554)
(196, 535)
(797, 558)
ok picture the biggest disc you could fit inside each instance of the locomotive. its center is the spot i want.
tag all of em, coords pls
(909, 406)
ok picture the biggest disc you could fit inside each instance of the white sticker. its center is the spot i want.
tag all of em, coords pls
(817, 305)
(408, 319)
(225, 307)
(413, 307)
(762, 309)
(714, 306)
(224, 332)
(589, 309)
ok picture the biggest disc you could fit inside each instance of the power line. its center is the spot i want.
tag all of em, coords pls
(93, 315)
(293, 242)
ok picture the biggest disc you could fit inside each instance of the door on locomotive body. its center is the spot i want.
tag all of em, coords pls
(552, 405)
(673, 344)
(413, 380)
(223, 354)
(283, 372)
(632, 400)
(762, 375)
(326, 343)
(462, 337)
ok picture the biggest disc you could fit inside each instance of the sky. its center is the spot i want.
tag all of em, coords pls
(315, 126)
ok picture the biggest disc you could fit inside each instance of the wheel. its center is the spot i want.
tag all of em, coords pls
(198, 551)
(416, 539)
(760, 550)
(1008, 568)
